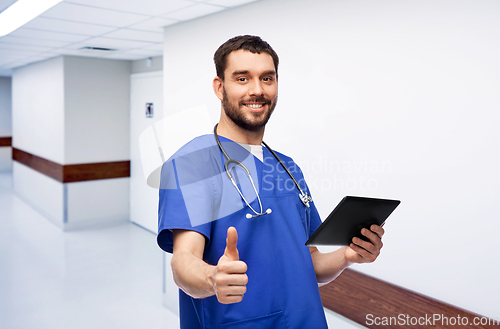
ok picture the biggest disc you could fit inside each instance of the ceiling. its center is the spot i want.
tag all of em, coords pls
(132, 28)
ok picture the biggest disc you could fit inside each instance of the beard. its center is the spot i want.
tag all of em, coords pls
(251, 121)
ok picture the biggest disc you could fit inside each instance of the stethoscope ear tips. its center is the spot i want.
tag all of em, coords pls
(268, 211)
(249, 216)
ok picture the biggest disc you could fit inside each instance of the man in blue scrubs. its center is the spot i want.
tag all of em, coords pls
(234, 271)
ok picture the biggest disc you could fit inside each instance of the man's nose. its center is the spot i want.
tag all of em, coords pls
(256, 88)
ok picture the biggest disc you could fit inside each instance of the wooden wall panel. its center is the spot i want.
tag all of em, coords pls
(44, 166)
(73, 173)
(95, 171)
(5, 141)
(355, 295)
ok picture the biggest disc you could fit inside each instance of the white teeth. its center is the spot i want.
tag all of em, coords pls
(255, 106)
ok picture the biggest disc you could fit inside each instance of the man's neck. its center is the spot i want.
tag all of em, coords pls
(227, 128)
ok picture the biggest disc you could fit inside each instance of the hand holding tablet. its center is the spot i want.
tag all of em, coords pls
(349, 217)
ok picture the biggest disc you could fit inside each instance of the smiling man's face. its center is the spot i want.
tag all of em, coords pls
(250, 89)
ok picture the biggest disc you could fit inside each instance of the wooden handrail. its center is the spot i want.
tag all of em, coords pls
(369, 301)
(74, 172)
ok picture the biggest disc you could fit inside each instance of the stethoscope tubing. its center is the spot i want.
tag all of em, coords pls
(284, 167)
(304, 197)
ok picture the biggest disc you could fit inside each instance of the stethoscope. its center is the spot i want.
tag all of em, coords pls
(304, 197)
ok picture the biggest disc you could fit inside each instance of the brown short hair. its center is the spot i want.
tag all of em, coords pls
(252, 43)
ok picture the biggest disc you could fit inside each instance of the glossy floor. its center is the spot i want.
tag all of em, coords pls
(108, 277)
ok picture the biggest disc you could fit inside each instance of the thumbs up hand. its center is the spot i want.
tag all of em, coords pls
(230, 278)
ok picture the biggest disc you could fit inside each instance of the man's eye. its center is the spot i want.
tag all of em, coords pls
(267, 79)
(242, 79)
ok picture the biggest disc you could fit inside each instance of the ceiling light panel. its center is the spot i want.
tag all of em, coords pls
(92, 15)
(48, 35)
(4, 4)
(21, 12)
(195, 11)
(143, 7)
(57, 25)
(129, 34)
(155, 24)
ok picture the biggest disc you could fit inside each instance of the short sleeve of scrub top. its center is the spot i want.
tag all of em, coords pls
(188, 169)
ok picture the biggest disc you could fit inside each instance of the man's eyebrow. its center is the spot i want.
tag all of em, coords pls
(270, 72)
(240, 72)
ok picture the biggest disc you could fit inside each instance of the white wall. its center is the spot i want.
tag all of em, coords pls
(38, 109)
(5, 107)
(44, 194)
(141, 65)
(385, 99)
(5, 159)
(73, 109)
(96, 104)
(38, 128)
(5, 122)
(97, 202)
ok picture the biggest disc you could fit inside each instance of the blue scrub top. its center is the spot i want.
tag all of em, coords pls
(282, 291)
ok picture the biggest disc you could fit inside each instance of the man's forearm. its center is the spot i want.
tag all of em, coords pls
(328, 266)
(192, 275)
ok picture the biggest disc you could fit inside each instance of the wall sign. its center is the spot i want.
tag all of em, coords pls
(149, 110)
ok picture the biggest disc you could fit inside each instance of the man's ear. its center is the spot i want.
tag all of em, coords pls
(218, 87)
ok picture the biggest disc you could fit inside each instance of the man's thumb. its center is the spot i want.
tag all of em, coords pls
(232, 239)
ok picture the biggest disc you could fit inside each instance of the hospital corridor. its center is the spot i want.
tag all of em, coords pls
(128, 126)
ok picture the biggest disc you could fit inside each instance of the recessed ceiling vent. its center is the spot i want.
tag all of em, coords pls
(96, 50)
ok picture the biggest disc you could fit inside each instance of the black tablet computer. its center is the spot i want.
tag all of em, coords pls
(349, 217)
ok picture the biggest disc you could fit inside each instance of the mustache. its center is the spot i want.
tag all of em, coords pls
(260, 99)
